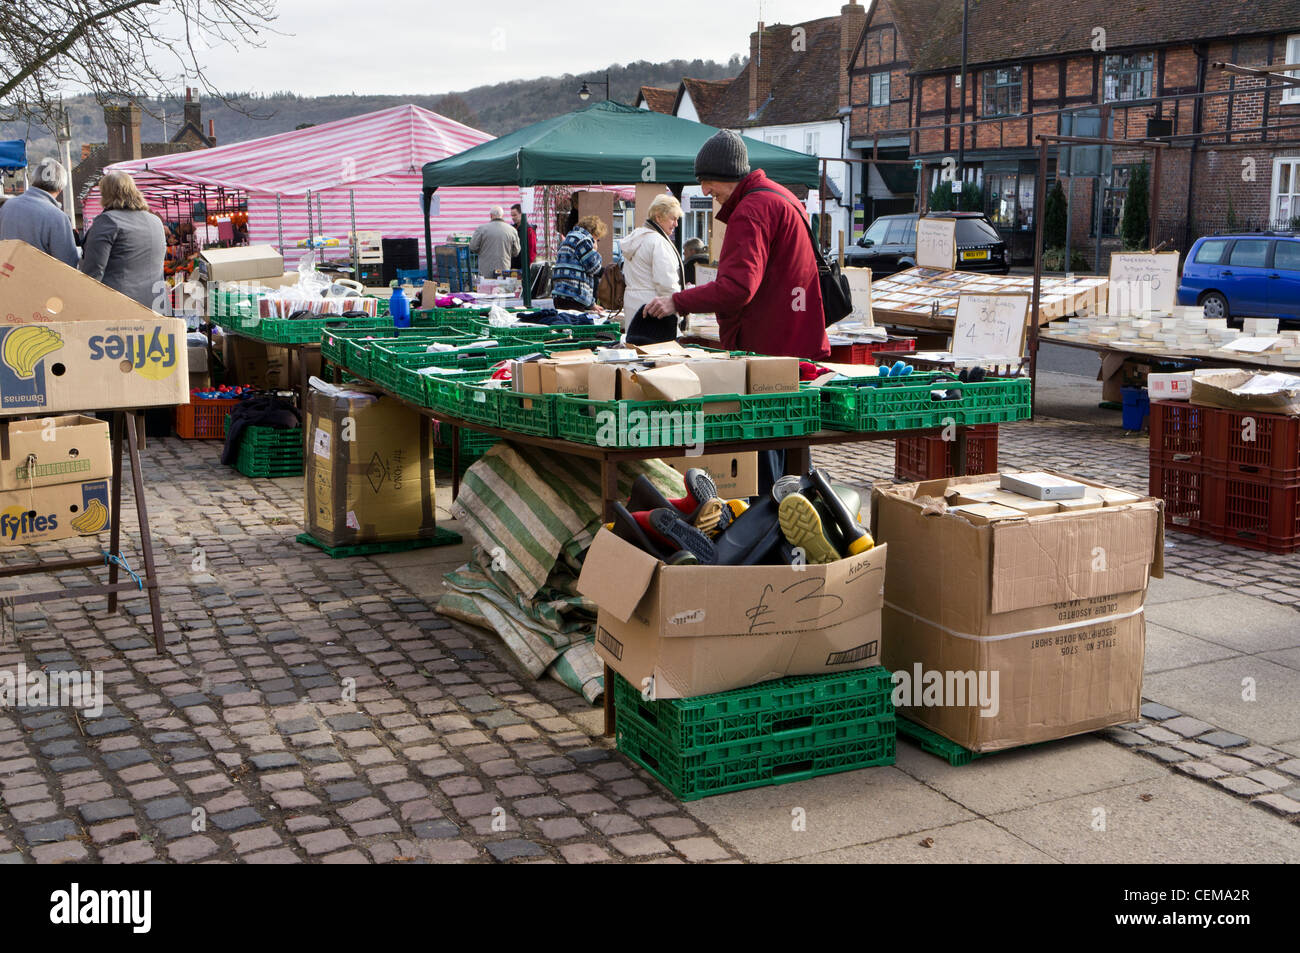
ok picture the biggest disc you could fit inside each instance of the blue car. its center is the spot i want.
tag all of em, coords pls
(1234, 276)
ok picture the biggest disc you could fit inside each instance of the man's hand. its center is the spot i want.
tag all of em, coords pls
(660, 307)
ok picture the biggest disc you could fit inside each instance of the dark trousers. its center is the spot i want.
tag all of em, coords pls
(569, 304)
(771, 467)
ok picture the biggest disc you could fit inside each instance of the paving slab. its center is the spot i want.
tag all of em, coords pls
(839, 810)
(1185, 821)
(1238, 621)
(1013, 779)
(1169, 649)
(1288, 657)
(1175, 588)
(966, 842)
(1213, 692)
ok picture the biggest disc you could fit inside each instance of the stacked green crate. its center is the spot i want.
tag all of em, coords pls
(773, 733)
(269, 451)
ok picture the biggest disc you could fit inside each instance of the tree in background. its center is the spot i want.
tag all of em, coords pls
(1054, 217)
(1136, 223)
(132, 50)
(969, 199)
(454, 107)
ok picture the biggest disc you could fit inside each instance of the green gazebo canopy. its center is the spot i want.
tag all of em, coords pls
(610, 143)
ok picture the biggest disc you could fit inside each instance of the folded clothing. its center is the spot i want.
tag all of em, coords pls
(257, 410)
(553, 317)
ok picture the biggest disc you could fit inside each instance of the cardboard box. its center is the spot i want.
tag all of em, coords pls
(38, 289)
(734, 474)
(369, 474)
(1043, 613)
(992, 493)
(1223, 389)
(93, 365)
(256, 364)
(53, 512)
(566, 372)
(248, 263)
(772, 375)
(44, 452)
(1176, 386)
(695, 630)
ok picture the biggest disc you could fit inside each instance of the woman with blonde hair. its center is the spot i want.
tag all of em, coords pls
(652, 265)
(125, 244)
(578, 266)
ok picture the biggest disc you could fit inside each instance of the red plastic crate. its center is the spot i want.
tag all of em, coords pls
(1253, 444)
(203, 419)
(1181, 484)
(1253, 512)
(860, 352)
(929, 458)
(1178, 429)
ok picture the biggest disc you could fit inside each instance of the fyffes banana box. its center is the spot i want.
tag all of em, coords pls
(93, 365)
(53, 512)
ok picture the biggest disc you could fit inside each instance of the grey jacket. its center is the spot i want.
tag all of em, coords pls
(494, 242)
(125, 251)
(35, 217)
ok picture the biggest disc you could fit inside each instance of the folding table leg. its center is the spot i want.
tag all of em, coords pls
(146, 543)
(115, 503)
(609, 701)
(608, 487)
(958, 451)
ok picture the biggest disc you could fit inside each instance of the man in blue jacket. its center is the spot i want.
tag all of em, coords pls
(35, 217)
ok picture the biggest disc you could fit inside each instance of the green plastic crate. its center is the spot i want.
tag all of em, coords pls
(797, 757)
(875, 404)
(935, 743)
(669, 423)
(541, 334)
(270, 452)
(228, 304)
(409, 385)
(528, 413)
(440, 537)
(775, 708)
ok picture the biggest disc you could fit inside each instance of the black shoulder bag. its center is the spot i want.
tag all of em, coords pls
(837, 298)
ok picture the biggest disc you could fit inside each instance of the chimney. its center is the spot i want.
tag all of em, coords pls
(212, 132)
(761, 46)
(853, 18)
(193, 109)
(123, 123)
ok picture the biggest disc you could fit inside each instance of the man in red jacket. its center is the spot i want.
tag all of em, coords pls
(767, 295)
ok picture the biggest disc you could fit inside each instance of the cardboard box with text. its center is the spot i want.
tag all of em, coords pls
(696, 630)
(51, 450)
(53, 512)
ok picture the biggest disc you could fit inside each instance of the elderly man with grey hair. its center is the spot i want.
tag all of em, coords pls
(36, 218)
(495, 242)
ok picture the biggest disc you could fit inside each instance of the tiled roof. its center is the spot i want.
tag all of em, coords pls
(658, 99)
(1004, 30)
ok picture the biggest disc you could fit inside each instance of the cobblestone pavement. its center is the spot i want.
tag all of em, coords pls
(443, 756)
(238, 747)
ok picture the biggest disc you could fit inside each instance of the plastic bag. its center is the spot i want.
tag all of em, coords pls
(499, 317)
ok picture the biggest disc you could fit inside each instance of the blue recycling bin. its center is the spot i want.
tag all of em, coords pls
(1137, 407)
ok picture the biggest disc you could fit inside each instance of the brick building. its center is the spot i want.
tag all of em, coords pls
(1127, 69)
(122, 126)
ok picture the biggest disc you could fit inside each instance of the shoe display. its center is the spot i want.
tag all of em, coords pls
(802, 527)
(668, 524)
(752, 536)
(699, 487)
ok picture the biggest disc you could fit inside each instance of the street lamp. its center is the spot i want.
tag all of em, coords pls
(585, 92)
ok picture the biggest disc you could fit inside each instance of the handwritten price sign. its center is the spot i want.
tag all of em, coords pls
(991, 327)
(936, 243)
(1142, 282)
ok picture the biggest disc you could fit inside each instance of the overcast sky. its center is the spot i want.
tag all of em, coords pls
(404, 46)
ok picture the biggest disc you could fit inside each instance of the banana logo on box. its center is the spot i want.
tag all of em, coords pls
(151, 355)
(27, 346)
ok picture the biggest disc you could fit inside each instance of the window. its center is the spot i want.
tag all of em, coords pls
(1210, 252)
(1286, 191)
(1291, 94)
(880, 89)
(1251, 253)
(1113, 195)
(1002, 91)
(1130, 76)
(812, 143)
(1001, 189)
(1287, 256)
(774, 140)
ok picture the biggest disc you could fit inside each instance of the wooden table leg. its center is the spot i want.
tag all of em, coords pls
(798, 460)
(454, 436)
(115, 502)
(608, 487)
(958, 451)
(609, 702)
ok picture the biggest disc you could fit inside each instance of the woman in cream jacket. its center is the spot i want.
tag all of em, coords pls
(652, 265)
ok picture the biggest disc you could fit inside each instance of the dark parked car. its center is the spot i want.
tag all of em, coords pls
(1234, 276)
(889, 245)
